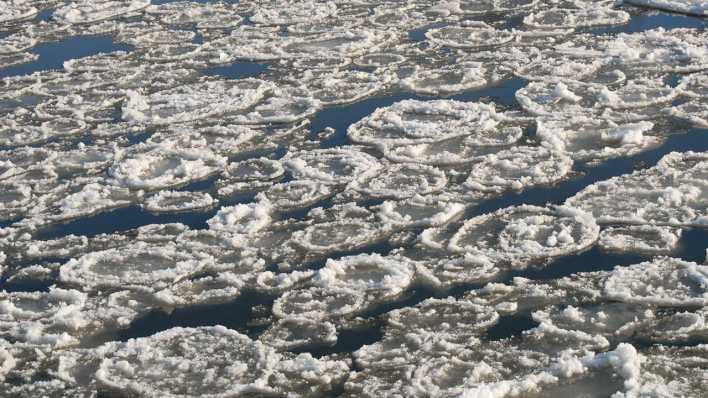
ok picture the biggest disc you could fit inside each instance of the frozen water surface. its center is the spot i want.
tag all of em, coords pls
(379, 198)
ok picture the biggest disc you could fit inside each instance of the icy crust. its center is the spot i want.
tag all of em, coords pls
(93, 11)
(520, 235)
(642, 239)
(670, 193)
(518, 168)
(214, 361)
(694, 7)
(175, 201)
(191, 102)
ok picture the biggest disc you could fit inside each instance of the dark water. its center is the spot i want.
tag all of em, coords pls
(244, 313)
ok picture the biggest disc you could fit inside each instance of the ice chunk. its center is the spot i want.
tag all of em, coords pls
(575, 18)
(464, 37)
(419, 211)
(296, 333)
(318, 303)
(85, 11)
(295, 194)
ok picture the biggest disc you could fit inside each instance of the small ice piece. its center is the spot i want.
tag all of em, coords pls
(7, 60)
(177, 201)
(296, 194)
(694, 7)
(331, 166)
(518, 168)
(419, 211)
(154, 167)
(520, 235)
(588, 139)
(694, 85)
(375, 276)
(242, 219)
(151, 267)
(413, 121)
(213, 361)
(7, 363)
(298, 333)
(318, 303)
(193, 101)
(560, 98)
(379, 60)
(400, 181)
(556, 18)
(640, 239)
(465, 37)
(87, 11)
(16, 43)
(665, 282)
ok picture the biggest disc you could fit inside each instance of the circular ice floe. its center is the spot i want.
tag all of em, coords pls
(670, 193)
(295, 194)
(593, 139)
(149, 266)
(162, 166)
(640, 239)
(695, 112)
(193, 101)
(576, 18)
(576, 98)
(660, 50)
(379, 60)
(694, 7)
(665, 282)
(341, 235)
(370, 274)
(419, 211)
(401, 181)
(261, 169)
(292, 333)
(413, 121)
(15, 11)
(84, 11)
(463, 37)
(175, 201)
(448, 79)
(318, 303)
(523, 234)
(205, 16)
(212, 361)
(221, 288)
(341, 87)
(450, 317)
(243, 219)
(517, 168)
(331, 166)
(286, 14)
